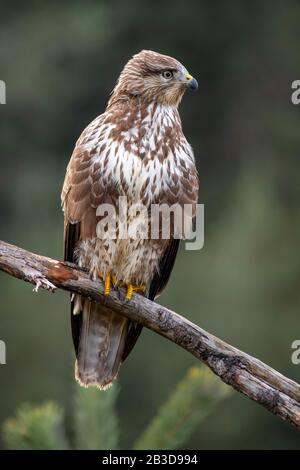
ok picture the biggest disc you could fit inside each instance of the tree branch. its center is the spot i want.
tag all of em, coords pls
(246, 374)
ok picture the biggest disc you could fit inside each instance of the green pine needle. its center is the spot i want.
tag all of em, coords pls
(35, 427)
(96, 423)
(193, 399)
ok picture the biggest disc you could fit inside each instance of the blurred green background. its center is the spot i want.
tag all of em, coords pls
(60, 61)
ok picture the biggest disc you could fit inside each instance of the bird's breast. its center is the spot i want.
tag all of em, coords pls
(143, 157)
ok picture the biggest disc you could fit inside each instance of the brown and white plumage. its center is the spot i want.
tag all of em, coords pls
(135, 149)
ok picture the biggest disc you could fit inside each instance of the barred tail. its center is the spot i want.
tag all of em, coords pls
(101, 344)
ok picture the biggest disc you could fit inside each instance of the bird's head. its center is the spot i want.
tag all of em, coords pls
(155, 77)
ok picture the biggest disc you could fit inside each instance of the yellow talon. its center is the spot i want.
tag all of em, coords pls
(129, 291)
(114, 279)
(141, 288)
(107, 284)
(131, 288)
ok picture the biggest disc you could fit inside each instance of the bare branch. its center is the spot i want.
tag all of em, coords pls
(243, 372)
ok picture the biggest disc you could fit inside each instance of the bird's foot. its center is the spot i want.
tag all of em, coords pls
(110, 279)
(131, 288)
(43, 283)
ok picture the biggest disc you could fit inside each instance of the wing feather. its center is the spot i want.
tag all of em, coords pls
(158, 283)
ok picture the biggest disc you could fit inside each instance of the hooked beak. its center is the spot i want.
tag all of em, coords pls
(191, 82)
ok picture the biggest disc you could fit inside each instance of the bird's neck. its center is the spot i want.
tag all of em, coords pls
(147, 129)
(132, 111)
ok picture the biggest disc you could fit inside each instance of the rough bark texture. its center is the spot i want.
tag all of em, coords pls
(243, 372)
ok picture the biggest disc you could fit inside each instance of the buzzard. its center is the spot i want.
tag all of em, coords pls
(135, 150)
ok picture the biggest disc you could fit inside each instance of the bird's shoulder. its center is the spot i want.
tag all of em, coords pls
(82, 161)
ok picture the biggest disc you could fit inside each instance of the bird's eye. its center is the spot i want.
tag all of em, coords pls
(167, 74)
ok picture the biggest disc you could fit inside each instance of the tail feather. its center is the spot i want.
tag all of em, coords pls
(101, 345)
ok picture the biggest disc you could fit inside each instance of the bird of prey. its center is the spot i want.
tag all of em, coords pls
(136, 150)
